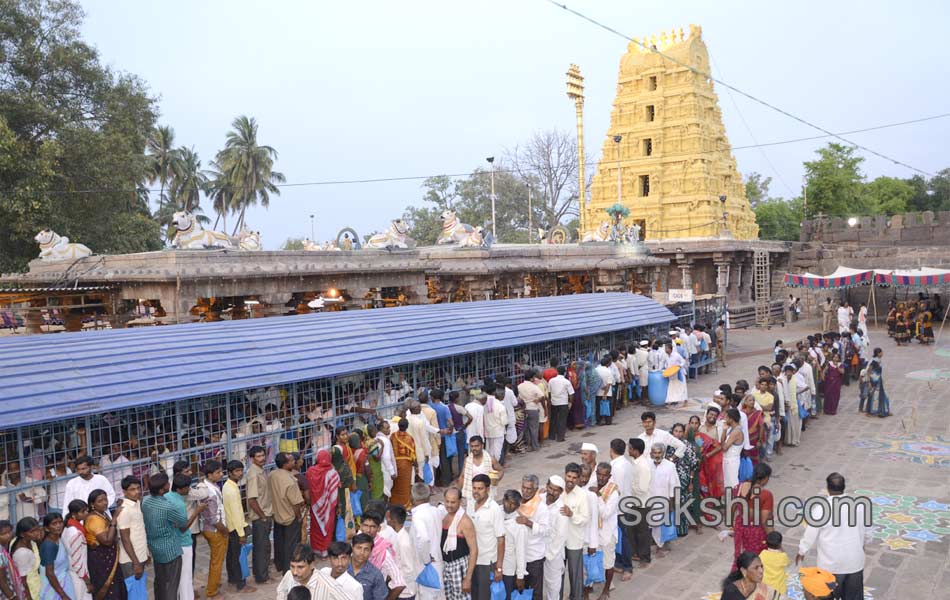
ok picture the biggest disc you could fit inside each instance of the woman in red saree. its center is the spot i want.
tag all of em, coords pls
(324, 484)
(756, 429)
(834, 375)
(404, 449)
(710, 466)
(748, 530)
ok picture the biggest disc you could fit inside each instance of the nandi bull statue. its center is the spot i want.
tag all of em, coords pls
(57, 247)
(397, 236)
(190, 235)
(601, 234)
(454, 232)
(249, 240)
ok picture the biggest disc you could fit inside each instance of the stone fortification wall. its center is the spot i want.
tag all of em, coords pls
(906, 241)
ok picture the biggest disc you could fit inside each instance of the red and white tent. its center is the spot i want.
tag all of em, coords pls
(843, 277)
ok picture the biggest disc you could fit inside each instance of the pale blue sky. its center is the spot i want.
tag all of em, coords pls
(354, 90)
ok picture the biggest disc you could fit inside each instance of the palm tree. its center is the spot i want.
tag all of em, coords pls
(219, 190)
(162, 158)
(249, 168)
(188, 181)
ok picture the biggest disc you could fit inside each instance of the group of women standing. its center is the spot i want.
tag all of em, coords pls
(911, 320)
(75, 557)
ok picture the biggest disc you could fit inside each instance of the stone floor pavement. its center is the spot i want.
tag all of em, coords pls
(902, 463)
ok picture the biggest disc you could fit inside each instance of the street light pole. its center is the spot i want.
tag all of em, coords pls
(618, 139)
(491, 162)
(529, 213)
(312, 230)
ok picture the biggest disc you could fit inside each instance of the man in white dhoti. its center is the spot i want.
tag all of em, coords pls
(662, 485)
(557, 540)
(427, 531)
(676, 390)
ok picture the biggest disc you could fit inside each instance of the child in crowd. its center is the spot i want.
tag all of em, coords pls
(775, 561)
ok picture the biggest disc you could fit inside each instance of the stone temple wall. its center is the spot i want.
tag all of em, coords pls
(906, 241)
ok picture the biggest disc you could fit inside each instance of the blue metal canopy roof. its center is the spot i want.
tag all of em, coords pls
(47, 377)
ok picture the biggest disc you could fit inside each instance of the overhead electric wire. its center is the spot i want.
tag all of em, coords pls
(512, 171)
(734, 88)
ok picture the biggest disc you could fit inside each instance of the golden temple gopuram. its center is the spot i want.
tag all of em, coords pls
(668, 141)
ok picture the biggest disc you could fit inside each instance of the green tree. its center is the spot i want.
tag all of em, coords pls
(292, 243)
(834, 183)
(249, 167)
(548, 163)
(757, 189)
(887, 196)
(779, 219)
(220, 193)
(163, 159)
(74, 134)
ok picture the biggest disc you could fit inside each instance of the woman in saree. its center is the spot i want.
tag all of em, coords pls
(26, 556)
(756, 428)
(11, 580)
(748, 531)
(344, 508)
(925, 325)
(374, 457)
(834, 375)
(710, 467)
(74, 539)
(324, 484)
(688, 470)
(891, 321)
(404, 449)
(361, 460)
(101, 536)
(54, 561)
(519, 445)
(576, 415)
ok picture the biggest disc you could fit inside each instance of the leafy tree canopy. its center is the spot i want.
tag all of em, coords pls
(69, 127)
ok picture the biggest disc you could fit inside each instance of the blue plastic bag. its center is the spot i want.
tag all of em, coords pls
(525, 595)
(136, 588)
(429, 577)
(339, 534)
(451, 445)
(498, 591)
(605, 407)
(356, 501)
(668, 532)
(427, 475)
(245, 554)
(618, 549)
(802, 411)
(745, 468)
(593, 568)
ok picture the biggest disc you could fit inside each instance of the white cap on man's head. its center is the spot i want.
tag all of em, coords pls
(644, 343)
(557, 480)
(589, 447)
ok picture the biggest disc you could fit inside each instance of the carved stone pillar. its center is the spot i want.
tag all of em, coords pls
(722, 277)
(745, 286)
(733, 289)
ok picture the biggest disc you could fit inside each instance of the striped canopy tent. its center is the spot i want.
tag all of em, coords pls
(843, 277)
(923, 277)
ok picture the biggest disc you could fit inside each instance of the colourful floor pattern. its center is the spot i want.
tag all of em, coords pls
(794, 591)
(928, 450)
(929, 375)
(944, 351)
(901, 522)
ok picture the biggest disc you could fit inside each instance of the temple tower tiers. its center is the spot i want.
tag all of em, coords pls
(674, 158)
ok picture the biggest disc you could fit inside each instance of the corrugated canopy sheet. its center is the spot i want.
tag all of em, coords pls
(47, 377)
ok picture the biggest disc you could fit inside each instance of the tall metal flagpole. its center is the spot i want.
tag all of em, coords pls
(575, 91)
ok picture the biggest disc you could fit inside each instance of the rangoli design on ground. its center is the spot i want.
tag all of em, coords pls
(933, 451)
(794, 591)
(901, 522)
(929, 375)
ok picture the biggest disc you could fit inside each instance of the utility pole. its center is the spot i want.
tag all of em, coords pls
(575, 91)
(529, 213)
(312, 230)
(494, 233)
